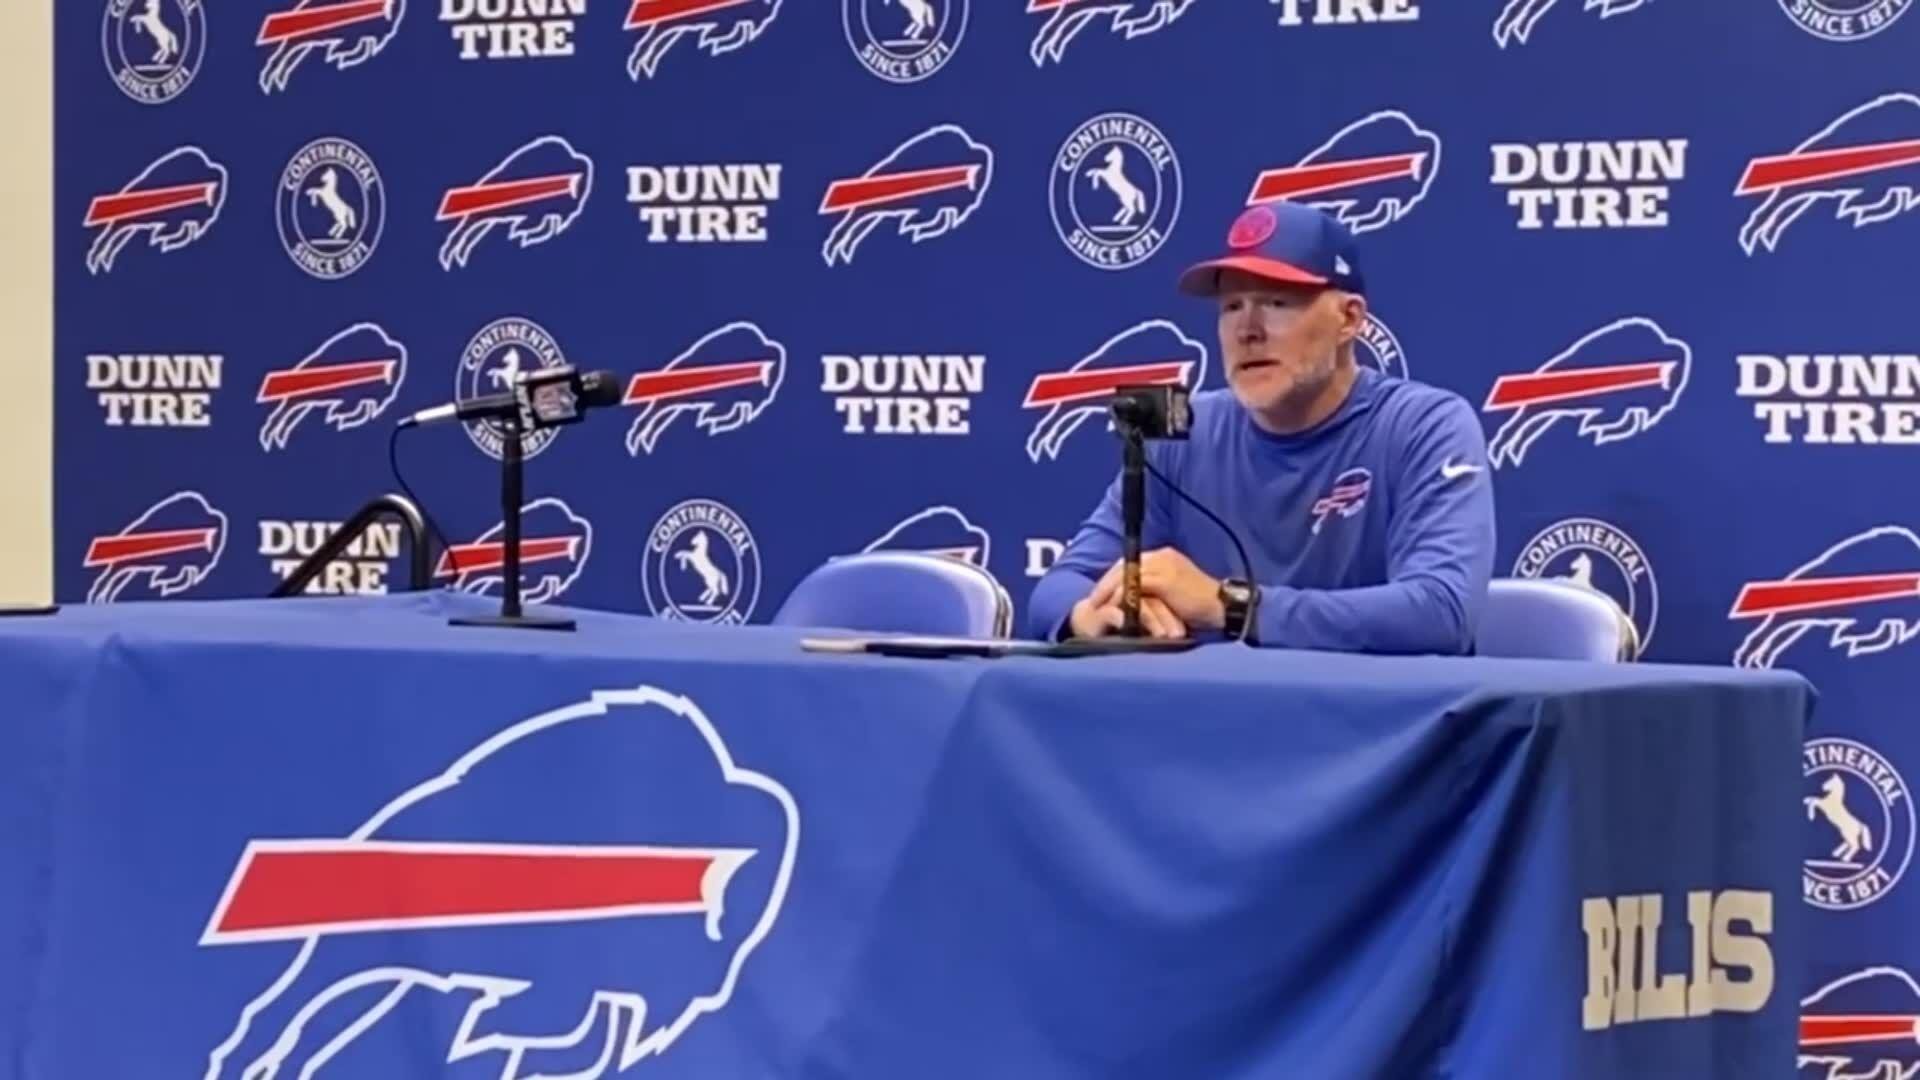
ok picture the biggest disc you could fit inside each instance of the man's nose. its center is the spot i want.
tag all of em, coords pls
(1250, 326)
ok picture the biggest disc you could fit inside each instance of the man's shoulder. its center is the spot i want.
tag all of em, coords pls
(1411, 406)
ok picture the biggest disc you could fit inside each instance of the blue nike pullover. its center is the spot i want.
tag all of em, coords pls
(1370, 532)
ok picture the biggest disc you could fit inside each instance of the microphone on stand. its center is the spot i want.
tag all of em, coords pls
(1141, 413)
(539, 399)
(550, 397)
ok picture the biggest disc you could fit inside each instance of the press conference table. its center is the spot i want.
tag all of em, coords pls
(339, 835)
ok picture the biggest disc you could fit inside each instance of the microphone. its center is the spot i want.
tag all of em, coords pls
(1141, 413)
(481, 408)
(551, 396)
(1153, 412)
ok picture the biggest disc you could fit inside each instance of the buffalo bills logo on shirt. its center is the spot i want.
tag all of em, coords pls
(1866, 164)
(332, 207)
(723, 381)
(554, 545)
(701, 564)
(346, 33)
(907, 41)
(540, 936)
(938, 530)
(1617, 382)
(926, 187)
(1115, 191)
(1370, 174)
(173, 202)
(167, 550)
(153, 48)
(492, 363)
(353, 376)
(1861, 1027)
(716, 27)
(1152, 353)
(537, 193)
(1516, 21)
(1066, 18)
(1347, 497)
(1862, 595)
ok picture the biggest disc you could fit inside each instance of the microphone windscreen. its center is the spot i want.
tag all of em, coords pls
(599, 388)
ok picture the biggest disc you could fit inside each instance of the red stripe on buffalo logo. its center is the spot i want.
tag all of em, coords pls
(492, 554)
(127, 547)
(1064, 386)
(318, 19)
(688, 382)
(108, 209)
(1544, 387)
(504, 194)
(1811, 594)
(296, 888)
(1298, 180)
(893, 187)
(649, 12)
(306, 381)
(1818, 166)
(1844, 1030)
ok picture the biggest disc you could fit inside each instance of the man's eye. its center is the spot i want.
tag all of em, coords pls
(1277, 301)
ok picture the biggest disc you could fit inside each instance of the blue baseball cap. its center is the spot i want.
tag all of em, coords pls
(1287, 242)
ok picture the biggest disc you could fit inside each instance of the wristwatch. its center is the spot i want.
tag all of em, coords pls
(1239, 598)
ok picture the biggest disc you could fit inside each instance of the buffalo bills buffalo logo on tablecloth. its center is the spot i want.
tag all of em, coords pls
(555, 932)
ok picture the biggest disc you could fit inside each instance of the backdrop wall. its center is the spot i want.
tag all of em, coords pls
(866, 270)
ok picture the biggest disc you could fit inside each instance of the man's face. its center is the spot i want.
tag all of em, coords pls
(1282, 342)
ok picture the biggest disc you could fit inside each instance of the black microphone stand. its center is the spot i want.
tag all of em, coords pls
(511, 497)
(1133, 510)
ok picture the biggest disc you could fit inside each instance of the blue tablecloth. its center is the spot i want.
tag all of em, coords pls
(341, 832)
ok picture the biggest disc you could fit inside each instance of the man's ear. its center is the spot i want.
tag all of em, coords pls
(1353, 315)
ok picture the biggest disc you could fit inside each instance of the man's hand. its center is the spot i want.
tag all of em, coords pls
(1089, 620)
(1170, 577)
(1099, 614)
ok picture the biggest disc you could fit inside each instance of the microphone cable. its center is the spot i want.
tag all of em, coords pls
(1246, 564)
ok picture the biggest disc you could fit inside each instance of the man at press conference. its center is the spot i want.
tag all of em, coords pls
(1365, 499)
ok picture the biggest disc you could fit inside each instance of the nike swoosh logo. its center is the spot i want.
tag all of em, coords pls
(1454, 470)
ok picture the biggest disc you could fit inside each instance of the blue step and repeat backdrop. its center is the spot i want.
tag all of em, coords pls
(866, 268)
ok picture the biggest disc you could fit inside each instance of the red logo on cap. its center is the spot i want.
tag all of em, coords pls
(1252, 228)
